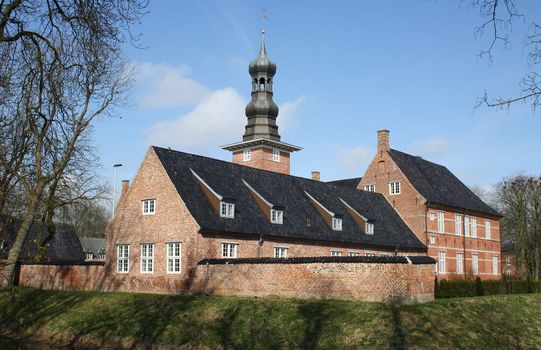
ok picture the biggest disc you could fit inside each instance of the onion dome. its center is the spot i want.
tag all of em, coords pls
(262, 64)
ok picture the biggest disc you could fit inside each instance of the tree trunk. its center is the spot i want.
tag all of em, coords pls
(22, 231)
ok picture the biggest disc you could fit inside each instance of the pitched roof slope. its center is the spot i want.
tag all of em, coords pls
(300, 220)
(437, 184)
(351, 183)
(93, 245)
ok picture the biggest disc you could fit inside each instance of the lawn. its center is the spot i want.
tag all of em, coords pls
(207, 322)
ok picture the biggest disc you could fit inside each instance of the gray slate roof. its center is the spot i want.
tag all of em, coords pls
(438, 185)
(351, 183)
(289, 192)
(64, 246)
(93, 245)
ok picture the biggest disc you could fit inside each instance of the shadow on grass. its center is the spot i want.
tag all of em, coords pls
(398, 340)
(314, 315)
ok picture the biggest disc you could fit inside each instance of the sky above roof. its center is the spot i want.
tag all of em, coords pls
(344, 70)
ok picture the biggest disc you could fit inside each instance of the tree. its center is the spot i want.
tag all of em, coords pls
(498, 19)
(520, 200)
(61, 69)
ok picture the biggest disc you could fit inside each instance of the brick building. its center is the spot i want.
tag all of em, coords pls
(461, 232)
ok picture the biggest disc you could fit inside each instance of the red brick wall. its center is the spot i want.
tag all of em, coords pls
(411, 206)
(355, 281)
(262, 159)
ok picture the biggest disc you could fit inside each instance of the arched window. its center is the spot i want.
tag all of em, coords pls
(262, 84)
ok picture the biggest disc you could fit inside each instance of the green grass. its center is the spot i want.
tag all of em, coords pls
(207, 322)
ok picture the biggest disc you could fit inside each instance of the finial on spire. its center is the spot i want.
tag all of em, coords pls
(262, 51)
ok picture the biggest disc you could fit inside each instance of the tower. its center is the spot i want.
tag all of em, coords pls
(261, 146)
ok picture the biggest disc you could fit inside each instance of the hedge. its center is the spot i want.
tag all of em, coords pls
(477, 287)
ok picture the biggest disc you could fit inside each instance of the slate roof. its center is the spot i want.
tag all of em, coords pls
(438, 185)
(93, 245)
(64, 246)
(351, 183)
(300, 220)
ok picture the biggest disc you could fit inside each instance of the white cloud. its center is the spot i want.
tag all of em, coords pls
(218, 119)
(288, 111)
(433, 146)
(168, 86)
(356, 158)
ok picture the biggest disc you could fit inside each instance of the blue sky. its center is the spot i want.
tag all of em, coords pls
(345, 70)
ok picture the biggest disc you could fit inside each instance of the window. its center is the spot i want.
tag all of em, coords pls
(369, 228)
(149, 206)
(432, 216)
(280, 252)
(394, 187)
(227, 210)
(441, 222)
(494, 265)
(458, 224)
(173, 257)
(474, 227)
(89, 256)
(467, 226)
(475, 264)
(459, 263)
(275, 155)
(229, 250)
(487, 229)
(370, 188)
(147, 257)
(337, 224)
(123, 258)
(369, 254)
(353, 254)
(508, 272)
(441, 262)
(432, 239)
(101, 255)
(277, 216)
(247, 155)
(508, 261)
(336, 253)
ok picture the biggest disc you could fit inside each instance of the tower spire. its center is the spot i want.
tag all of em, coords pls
(262, 51)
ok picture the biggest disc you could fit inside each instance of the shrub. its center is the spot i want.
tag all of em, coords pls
(469, 287)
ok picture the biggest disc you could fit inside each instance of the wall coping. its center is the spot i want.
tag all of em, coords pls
(64, 263)
(415, 260)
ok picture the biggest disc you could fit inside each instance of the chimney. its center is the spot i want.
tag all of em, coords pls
(383, 141)
(125, 187)
(316, 175)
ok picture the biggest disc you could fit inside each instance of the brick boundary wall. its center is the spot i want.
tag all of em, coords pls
(382, 279)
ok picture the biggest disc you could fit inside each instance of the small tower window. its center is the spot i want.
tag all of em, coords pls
(275, 155)
(262, 84)
(247, 156)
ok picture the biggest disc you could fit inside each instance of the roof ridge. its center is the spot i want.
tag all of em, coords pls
(419, 158)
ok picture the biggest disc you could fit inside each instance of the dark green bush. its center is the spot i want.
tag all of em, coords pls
(473, 287)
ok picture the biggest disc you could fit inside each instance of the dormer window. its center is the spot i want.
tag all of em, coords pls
(247, 155)
(227, 210)
(149, 206)
(337, 224)
(369, 228)
(277, 216)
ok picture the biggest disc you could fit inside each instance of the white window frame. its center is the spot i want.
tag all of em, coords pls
(488, 234)
(280, 252)
(369, 228)
(246, 155)
(336, 253)
(431, 215)
(122, 258)
(369, 254)
(227, 210)
(173, 257)
(89, 256)
(432, 238)
(148, 206)
(353, 254)
(459, 263)
(147, 258)
(337, 224)
(458, 224)
(467, 226)
(441, 261)
(441, 221)
(473, 227)
(277, 216)
(508, 261)
(370, 188)
(495, 265)
(394, 188)
(276, 155)
(475, 263)
(229, 250)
